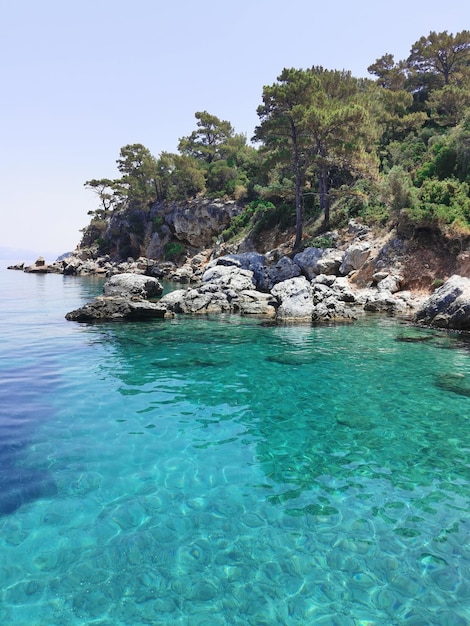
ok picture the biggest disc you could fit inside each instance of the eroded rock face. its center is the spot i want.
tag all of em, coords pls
(199, 222)
(38, 267)
(449, 306)
(284, 269)
(250, 261)
(228, 277)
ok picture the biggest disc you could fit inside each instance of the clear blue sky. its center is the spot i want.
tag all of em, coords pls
(81, 78)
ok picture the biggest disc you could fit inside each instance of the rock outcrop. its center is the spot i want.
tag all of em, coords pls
(129, 285)
(125, 298)
(167, 231)
(104, 308)
(223, 289)
(449, 305)
(294, 297)
(252, 284)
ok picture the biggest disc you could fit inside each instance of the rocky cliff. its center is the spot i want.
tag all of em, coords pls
(167, 231)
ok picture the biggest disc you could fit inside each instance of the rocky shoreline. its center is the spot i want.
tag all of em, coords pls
(315, 286)
(359, 275)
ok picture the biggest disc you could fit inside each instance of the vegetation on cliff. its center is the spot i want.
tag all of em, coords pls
(328, 147)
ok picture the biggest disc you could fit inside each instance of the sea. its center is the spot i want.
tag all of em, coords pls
(227, 470)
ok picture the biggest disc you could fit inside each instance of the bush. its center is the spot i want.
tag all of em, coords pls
(322, 241)
(442, 202)
(252, 215)
(397, 190)
(173, 250)
(157, 222)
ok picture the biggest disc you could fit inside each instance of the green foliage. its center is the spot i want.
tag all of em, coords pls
(441, 56)
(210, 141)
(328, 142)
(314, 123)
(397, 190)
(269, 216)
(442, 164)
(254, 215)
(322, 241)
(442, 203)
(137, 184)
(364, 200)
(157, 222)
(173, 250)
(437, 282)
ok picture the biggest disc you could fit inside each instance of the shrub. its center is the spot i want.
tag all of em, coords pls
(253, 214)
(442, 202)
(173, 250)
(157, 222)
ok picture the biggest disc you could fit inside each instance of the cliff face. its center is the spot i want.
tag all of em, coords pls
(165, 231)
(421, 257)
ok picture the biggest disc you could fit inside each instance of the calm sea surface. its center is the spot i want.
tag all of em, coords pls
(225, 471)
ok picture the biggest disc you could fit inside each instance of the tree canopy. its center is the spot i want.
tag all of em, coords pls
(328, 146)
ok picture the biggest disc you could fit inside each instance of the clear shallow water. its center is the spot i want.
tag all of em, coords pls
(227, 471)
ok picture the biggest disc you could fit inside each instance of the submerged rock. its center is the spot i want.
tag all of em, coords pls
(413, 338)
(457, 383)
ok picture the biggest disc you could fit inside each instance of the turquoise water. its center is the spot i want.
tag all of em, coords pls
(228, 471)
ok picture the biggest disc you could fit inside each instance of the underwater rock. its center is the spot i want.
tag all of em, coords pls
(457, 383)
(413, 338)
(19, 486)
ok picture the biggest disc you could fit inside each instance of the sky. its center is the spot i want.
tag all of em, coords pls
(79, 79)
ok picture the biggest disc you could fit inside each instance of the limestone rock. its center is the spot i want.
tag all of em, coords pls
(17, 266)
(330, 262)
(283, 269)
(384, 302)
(391, 283)
(252, 302)
(229, 277)
(38, 267)
(251, 261)
(295, 299)
(314, 261)
(449, 306)
(355, 256)
(332, 299)
(132, 285)
(199, 222)
(116, 308)
(224, 289)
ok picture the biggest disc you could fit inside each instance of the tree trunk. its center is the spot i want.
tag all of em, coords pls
(298, 193)
(324, 197)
